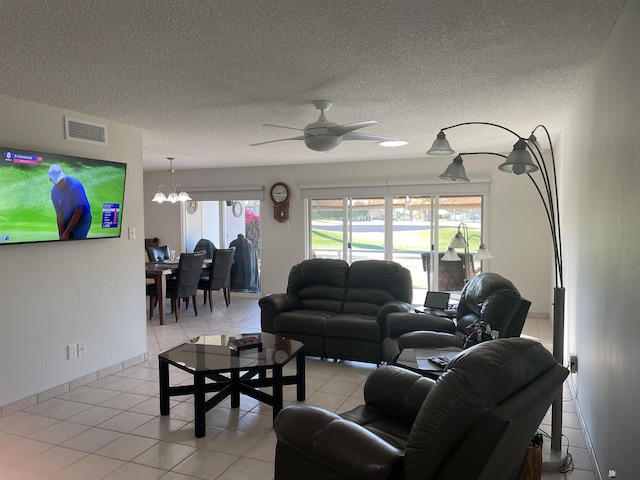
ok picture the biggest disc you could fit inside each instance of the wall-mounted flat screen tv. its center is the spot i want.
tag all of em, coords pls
(46, 197)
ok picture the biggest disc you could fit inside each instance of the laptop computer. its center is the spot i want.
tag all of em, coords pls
(437, 303)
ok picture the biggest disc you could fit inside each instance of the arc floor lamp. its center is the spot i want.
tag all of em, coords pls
(527, 158)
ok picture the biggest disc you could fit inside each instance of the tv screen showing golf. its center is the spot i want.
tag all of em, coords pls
(46, 197)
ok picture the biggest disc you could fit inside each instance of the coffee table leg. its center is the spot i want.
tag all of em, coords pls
(277, 390)
(300, 374)
(235, 389)
(164, 387)
(198, 397)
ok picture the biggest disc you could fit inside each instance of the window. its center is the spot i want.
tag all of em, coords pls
(408, 229)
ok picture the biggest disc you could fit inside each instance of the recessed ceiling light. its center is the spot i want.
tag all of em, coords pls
(392, 143)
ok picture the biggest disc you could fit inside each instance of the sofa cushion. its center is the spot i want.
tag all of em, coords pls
(308, 322)
(361, 327)
(319, 283)
(373, 283)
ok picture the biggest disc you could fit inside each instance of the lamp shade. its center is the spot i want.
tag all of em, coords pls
(455, 171)
(440, 146)
(483, 253)
(451, 256)
(159, 197)
(519, 160)
(184, 196)
(532, 140)
(458, 241)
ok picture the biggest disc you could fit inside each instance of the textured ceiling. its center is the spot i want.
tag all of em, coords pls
(200, 77)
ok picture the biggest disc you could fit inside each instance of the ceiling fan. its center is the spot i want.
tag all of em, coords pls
(323, 135)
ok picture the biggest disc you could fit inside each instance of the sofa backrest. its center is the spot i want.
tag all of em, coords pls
(373, 283)
(319, 283)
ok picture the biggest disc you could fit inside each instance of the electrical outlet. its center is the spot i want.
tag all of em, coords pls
(573, 363)
(82, 349)
(72, 351)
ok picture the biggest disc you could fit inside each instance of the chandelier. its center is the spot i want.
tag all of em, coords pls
(173, 195)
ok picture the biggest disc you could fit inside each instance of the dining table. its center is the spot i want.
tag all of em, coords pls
(159, 271)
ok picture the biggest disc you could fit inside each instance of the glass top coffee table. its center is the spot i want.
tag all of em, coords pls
(417, 360)
(218, 368)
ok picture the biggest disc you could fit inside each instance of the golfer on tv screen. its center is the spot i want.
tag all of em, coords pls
(73, 211)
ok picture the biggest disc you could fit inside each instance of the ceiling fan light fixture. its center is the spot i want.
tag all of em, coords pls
(392, 143)
(324, 136)
(322, 143)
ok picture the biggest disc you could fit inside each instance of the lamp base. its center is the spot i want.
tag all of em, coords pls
(552, 460)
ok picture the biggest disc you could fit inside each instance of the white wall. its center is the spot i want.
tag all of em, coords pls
(601, 175)
(54, 294)
(517, 235)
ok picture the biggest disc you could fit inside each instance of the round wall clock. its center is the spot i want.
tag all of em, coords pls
(279, 192)
(192, 207)
(237, 209)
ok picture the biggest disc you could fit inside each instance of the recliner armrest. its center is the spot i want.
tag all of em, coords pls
(389, 308)
(397, 393)
(400, 323)
(271, 305)
(429, 340)
(281, 302)
(323, 438)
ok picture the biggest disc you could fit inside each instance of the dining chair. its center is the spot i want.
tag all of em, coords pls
(158, 254)
(218, 275)
(185, 283)
(207, 245)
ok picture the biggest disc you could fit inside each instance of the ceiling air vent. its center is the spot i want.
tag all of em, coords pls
(83, 131)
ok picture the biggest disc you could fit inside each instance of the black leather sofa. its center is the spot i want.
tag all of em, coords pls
(474, 422)
(338, 311)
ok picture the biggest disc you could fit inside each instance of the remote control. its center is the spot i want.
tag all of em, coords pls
(439, 361)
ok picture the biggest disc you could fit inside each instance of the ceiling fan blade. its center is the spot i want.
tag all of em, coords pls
(350, 127)
(367, 136)
(301, 137)
(282, 126)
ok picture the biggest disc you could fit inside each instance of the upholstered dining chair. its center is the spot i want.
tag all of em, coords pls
(158, 254)
(185, 283)
(218, 275)
(206, 245)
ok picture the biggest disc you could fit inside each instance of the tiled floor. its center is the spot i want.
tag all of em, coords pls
(111, 428)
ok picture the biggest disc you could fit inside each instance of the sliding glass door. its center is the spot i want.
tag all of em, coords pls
(349, 228)
(414, 231)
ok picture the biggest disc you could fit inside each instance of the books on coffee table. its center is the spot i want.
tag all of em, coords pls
(246, 342)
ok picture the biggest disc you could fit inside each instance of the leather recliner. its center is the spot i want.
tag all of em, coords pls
(487, 297)
(474, 422)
